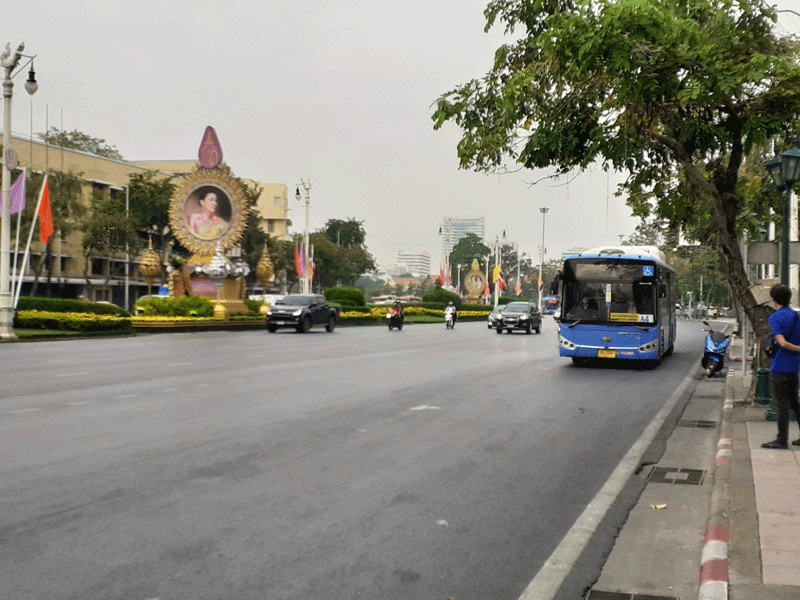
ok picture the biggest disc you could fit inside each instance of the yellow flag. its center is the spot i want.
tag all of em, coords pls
(495, 273)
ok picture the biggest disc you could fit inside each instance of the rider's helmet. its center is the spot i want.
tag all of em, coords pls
(450, 303)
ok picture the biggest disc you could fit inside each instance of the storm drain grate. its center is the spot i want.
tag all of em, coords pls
(595, 595)
(701, 424)
(673, 475)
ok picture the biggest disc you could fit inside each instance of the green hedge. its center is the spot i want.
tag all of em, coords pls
(185, 306)
(441, 296)
(253, 305)
(67, 305)
(70, 322)
(507, 299)
(346, 296)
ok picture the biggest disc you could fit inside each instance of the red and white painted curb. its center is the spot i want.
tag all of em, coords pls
(714, 561)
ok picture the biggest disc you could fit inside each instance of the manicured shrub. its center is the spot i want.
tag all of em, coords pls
(346, 296)
(196, 306)
(70, 321)
(253, 305)
(69, 305)
(442, 296)
(507, 299)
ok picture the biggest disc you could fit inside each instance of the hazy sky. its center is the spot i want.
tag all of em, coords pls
(338, 90)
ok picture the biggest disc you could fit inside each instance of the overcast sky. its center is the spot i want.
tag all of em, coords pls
(338, 90)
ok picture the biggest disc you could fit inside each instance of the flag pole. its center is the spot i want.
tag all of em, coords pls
(30, 237)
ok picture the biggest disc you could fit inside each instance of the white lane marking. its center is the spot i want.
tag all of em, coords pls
(72, 374)
(425, 407)
(23, 410)
(170, 390)
(184, 364)
(442, 522)
(126, 396)
(203, 384)
(79, 403)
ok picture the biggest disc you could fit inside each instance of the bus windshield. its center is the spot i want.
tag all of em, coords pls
(608, 293)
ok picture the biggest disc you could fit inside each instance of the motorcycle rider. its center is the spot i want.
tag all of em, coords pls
(398, 306)
(452, 308)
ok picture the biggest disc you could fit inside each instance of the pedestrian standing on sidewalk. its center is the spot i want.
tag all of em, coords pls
(783, 375)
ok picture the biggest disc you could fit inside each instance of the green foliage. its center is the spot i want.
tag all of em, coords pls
(196, 306)
(339, 265)
(253, 305)
(68, 305)
(346, 296)
(507, 299)
(75, 140)
(442, 296)
(347, 233)
(70, 321)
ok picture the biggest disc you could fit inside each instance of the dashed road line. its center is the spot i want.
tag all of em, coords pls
(23, 410)
(72, 374)
(79, 403)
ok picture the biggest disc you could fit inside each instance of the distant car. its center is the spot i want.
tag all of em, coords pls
(520, 315)
(494, 316)
(302, 312)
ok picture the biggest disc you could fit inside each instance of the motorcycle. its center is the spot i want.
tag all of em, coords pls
(717, 344)
(395, 319)
(449, 317)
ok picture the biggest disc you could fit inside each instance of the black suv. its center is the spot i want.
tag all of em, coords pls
(301, 312)
(520, 315)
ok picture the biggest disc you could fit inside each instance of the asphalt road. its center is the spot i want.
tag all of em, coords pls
(420, 464)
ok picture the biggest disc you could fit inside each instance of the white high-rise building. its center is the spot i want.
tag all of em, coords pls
(455, 229)
(417, 263)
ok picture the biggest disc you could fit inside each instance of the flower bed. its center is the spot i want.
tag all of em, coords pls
(70, 321)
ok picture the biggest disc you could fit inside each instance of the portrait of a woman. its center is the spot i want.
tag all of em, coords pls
(208, 221)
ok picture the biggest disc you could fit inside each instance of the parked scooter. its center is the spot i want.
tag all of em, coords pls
(449, 317)
(395, 319)
(716, 347)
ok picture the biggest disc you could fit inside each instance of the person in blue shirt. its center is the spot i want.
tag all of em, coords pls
(783, 376)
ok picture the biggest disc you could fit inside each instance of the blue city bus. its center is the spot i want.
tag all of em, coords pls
(617, 303)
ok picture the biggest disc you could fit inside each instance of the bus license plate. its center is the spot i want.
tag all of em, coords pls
(606, 354)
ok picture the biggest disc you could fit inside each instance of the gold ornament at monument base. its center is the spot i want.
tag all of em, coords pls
(150, 267)
(265, 272)
(475, 283)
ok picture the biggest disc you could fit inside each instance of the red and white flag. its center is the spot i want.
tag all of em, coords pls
(518, 289)
(501, 281)
(441, 276)
(45, 216)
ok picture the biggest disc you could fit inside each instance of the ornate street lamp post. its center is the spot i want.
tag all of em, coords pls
(9, 61)
(785, 172)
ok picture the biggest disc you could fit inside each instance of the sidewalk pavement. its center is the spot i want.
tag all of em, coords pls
(719, 517)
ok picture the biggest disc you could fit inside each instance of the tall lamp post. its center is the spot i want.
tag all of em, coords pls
(307, 188)
(785, 172)
(9, 61)
(542, 210)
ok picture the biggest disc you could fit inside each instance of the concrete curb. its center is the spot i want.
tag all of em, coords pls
(714, 561)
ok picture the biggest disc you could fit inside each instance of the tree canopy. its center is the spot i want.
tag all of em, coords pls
(77, 140)
(675, 92)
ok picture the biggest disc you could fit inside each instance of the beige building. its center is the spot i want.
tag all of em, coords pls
(104, 279)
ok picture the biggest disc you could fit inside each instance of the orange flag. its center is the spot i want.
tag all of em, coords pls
(45, 216)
